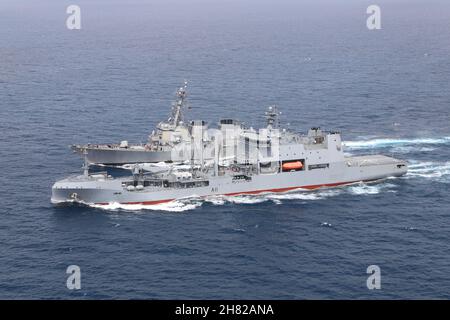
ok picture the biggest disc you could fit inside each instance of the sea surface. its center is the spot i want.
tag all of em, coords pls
(387, 91)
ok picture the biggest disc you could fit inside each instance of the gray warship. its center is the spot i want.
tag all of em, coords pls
(232, 160)
(161, 141)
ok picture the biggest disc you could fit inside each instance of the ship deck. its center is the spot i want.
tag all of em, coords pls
(371, 160)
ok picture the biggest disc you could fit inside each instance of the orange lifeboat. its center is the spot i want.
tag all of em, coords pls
(294, 165)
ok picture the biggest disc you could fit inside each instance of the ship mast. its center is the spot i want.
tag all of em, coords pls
(272, 116)
(86, 163)
(177, 115)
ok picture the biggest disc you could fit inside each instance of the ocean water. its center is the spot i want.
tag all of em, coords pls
(386, 90)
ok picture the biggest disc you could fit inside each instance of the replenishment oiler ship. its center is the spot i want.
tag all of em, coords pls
(229, 160)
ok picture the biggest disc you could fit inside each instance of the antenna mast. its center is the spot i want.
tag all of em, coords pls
(272, 116)
(86, 163)
(177, 114)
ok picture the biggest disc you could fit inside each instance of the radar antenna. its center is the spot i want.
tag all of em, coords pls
(272, 115)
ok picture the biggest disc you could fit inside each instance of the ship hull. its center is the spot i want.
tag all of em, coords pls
(341, 173)
(120, 156)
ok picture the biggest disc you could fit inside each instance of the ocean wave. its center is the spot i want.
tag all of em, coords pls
(172, 206)
(277, 198)
(409, 149)
(305, 195)
(398, 143)
(366, 189)
(439, 171)
(250, 199)
(240, 199)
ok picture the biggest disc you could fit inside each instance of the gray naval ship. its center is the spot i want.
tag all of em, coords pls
(168, 134)
(232, 160)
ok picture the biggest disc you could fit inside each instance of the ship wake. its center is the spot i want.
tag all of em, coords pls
(437, 171)
(300, 195)
(399, 145)
(172, 206)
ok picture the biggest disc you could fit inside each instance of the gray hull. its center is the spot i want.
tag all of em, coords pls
(119, 156)
(352, 170)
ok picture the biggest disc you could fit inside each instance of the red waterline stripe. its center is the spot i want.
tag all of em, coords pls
(291, 188)
(146, 203)
(312, 187)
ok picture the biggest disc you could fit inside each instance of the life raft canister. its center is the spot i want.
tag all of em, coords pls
(294, 165)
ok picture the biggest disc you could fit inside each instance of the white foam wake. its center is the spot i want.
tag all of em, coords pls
(277, 198)
(195, 202)
(383, 143)
(367, 189)
(306, 195)
(439, 171)
(172, 206)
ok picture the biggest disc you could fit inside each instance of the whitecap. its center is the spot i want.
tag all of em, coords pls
(366, 189)
(172, 206)
(389, 142)
(216, 200)
(409, 149)
(300, 194)
(439, 171)
(246, 199)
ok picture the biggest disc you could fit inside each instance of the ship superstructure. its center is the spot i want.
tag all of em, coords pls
(167, 135)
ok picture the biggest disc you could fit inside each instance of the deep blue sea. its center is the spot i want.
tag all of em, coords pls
(387, 91)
